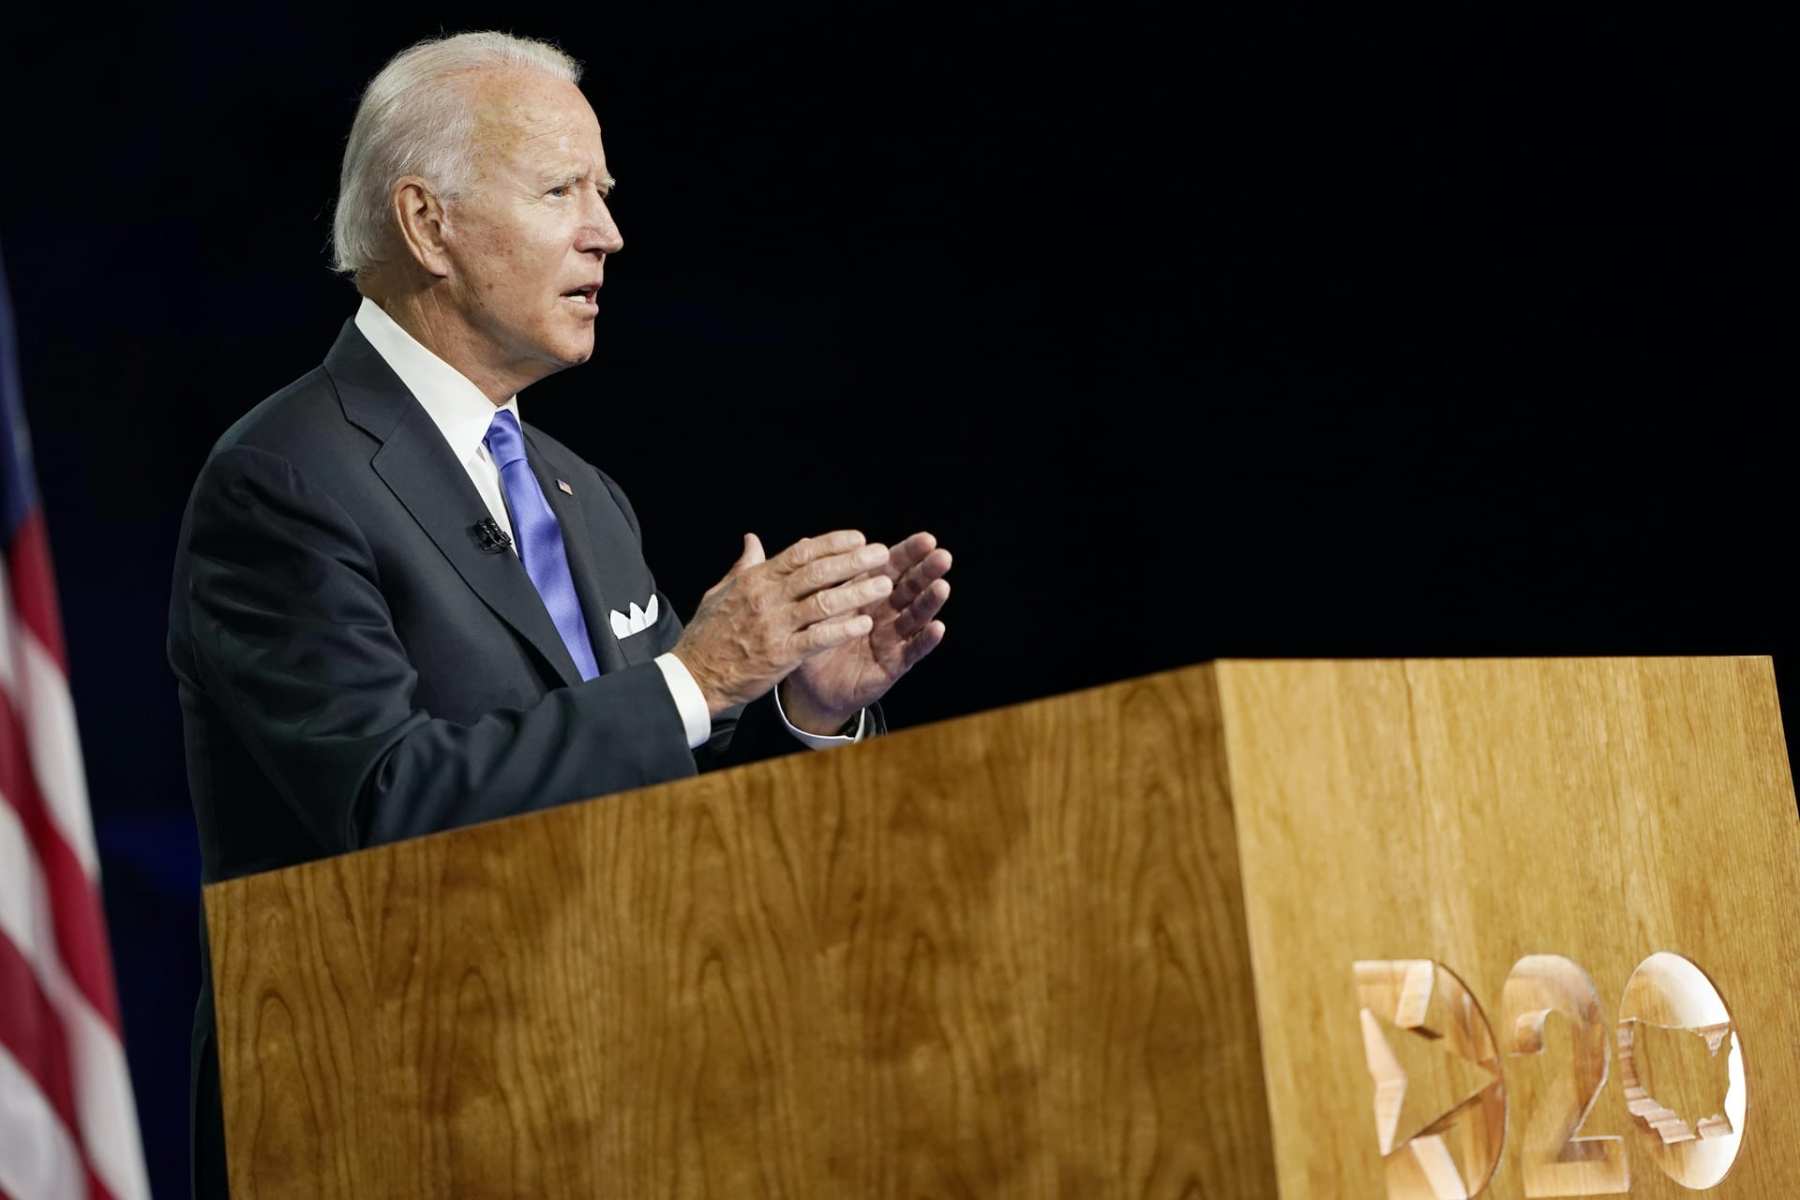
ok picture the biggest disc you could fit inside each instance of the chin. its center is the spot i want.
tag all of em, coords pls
(572, 352)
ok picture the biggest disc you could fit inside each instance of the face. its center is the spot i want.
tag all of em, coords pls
(527, 242)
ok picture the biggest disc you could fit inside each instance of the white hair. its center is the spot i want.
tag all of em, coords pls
(415, 119)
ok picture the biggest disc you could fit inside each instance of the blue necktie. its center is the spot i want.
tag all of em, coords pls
(540, 540)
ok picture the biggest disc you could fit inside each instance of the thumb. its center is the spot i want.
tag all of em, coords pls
(753, 554)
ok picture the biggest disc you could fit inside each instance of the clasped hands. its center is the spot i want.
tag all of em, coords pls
(833, 620)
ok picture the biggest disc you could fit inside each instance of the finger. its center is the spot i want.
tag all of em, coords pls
(752, 554)
(933, 567)
(864, 561)
(920, 611)
(845, 597)
(806, 550)
(828, 635)
(748, 557)
(910, 552)
(922, 643)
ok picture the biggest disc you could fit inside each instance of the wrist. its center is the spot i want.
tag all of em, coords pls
(807, 717)
(709, 691)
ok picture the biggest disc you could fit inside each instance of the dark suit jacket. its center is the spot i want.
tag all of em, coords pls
(353, 668)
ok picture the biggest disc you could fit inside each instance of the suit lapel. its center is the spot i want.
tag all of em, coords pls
(425, 477)
(584, 560)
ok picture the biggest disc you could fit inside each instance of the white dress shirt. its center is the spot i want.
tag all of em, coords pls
(462, 414)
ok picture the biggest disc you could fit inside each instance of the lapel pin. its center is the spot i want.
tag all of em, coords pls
(565, 487)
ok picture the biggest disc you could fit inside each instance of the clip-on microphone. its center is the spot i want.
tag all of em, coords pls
(489, 537)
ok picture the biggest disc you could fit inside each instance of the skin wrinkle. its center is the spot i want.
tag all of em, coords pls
(483, 283)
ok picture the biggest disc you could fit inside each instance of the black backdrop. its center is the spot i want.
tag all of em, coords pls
(1238, 329)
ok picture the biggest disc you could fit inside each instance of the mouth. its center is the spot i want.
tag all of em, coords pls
(587, 296)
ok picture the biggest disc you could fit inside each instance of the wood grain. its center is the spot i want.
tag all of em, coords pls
(1480, 812)
(1000, 957)
(1007, 957)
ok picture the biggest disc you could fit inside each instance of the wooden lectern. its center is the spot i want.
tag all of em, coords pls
(1297, 929)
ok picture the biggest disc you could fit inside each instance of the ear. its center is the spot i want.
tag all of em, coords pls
(424, 227)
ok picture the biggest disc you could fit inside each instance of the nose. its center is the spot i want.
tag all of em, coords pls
(599, 232)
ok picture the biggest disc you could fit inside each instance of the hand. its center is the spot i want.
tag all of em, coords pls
(765, 617)
(830, 687)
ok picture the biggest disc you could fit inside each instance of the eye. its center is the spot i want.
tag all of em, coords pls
(559, 191)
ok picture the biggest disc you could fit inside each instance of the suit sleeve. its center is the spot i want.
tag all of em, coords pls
(293, 638)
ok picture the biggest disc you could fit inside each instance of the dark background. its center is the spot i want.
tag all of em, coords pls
(1193, 331)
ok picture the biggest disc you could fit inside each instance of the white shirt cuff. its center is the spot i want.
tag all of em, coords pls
(815, 741)
(690, 701)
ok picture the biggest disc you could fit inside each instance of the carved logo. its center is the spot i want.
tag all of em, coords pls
(1441, 1080)
(1440, 1105)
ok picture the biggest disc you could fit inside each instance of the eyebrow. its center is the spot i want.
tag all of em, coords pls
(607, 182)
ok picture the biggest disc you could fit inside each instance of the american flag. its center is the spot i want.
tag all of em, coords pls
(68, 1124)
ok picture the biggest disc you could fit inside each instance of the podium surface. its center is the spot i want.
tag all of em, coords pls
(1245, 929)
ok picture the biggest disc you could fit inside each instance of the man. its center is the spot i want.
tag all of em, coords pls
(396, 609)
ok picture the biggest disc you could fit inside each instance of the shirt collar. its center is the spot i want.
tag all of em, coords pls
(456, 406)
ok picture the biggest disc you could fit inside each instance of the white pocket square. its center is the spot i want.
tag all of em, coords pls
(624, 626)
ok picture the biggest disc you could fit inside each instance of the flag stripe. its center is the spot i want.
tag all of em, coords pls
(106, 1118)
(34, 586)
(29, 672)
(32, 1033)
(77, 921)
(38, 1157)
(54, 751)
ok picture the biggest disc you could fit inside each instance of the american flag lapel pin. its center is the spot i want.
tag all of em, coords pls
(563, 484)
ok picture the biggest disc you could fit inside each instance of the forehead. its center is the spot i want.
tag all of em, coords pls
(529, 119)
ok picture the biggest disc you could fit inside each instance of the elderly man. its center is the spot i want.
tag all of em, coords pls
(399, 609)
